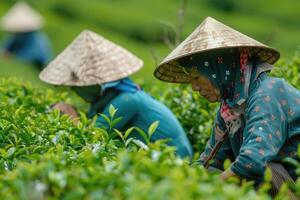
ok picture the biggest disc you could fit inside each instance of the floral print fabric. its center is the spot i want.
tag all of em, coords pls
(270, 122)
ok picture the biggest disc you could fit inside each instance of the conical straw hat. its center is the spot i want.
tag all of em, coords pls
(21, 18)
(90, 60)
(210, 35)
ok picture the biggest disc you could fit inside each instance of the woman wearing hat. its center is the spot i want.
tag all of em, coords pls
(257, 124)
(26, 41)
(97, 70)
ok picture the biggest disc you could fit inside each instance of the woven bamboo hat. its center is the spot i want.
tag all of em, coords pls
(208, 36)
(21, 18)
(90, 60)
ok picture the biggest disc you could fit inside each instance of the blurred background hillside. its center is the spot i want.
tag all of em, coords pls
(140, 25)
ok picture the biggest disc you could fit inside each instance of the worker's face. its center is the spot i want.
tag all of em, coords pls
(204, 86)
(88, 93)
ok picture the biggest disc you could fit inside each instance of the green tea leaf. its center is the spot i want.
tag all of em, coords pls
(11, 151)
(116, 121)
(127, 133)
(142, 134)
(268, 175)
(140, 144)
(112, 111)
(83, 118)
(227, 164)
(291, 161)
(152, 128)
(3, 153)
(128, 141)
(120, 135)
(106, 118)
(17, 112)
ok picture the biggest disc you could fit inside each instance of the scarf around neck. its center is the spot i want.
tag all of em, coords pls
(100, 95)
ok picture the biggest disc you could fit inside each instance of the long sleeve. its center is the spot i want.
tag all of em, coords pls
(263, 135)
(127, 109)
(225, 152)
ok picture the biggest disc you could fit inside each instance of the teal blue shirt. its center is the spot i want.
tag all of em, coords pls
(271, 122)
(141, 110)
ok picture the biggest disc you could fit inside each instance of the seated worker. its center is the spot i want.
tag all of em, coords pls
(26, 41)
(258, 120)
(97, 70)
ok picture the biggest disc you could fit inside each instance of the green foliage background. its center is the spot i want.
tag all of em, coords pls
(139, 25)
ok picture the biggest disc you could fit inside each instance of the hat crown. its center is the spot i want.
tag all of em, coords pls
(212, 34)
(21, 18)
(89, 60)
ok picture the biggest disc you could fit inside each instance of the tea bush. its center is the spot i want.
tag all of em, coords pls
(289, 70)
(44, 155)
(194, 112)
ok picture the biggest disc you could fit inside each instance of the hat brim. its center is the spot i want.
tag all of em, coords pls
(170, 71)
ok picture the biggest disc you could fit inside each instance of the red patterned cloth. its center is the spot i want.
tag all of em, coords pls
(227, 114)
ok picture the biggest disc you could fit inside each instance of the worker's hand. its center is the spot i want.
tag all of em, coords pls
(5, 54)
(67, 109)
(227, 174)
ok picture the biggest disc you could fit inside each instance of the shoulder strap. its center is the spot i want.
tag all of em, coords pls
(215, 149)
